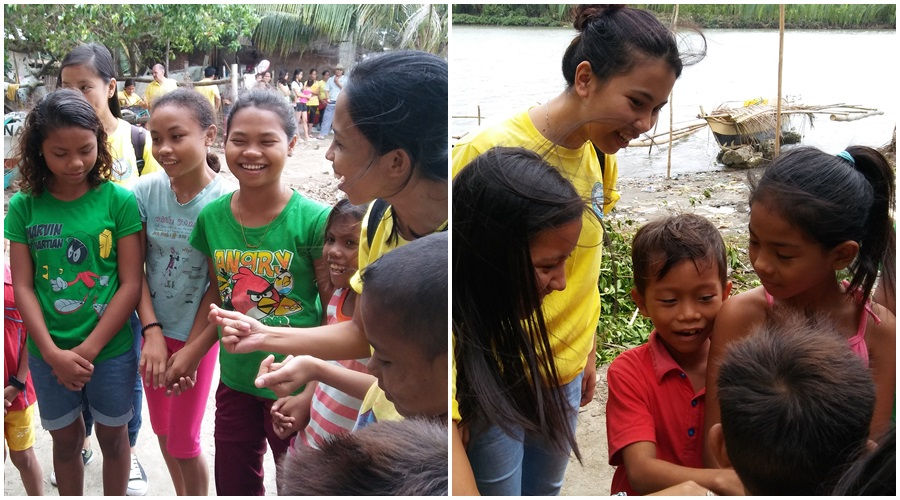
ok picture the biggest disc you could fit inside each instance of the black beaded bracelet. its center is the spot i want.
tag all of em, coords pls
(150, 325)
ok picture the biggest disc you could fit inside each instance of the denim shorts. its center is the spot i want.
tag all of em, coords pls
(525, 463)
(109, 393)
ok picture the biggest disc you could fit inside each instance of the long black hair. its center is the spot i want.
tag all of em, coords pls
(835, 199)
(506, 374)
(98, 58)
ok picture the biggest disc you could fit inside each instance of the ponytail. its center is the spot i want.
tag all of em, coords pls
(879, 229)
(835, 198)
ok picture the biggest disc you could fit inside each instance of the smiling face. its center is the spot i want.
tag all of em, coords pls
(353, 158)
(550, 249)
(70, 154)
(84, 79)
(341, 249)
(786, 259)
(683, 305)
(626, 105)
(417, 386)
(159, 73)
(179, 143)
(256, 147)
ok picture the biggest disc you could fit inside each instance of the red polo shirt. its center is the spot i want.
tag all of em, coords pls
(651, 399)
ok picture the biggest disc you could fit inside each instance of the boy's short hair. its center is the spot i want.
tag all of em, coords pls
(796, 406)
(407, 457)
(209, 71)
(662, 243)
(410, 285)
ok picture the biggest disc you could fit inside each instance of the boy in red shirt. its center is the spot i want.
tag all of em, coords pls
(654, 415)
(18, 394)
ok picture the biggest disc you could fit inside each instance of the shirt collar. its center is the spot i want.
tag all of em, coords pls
(663, 362)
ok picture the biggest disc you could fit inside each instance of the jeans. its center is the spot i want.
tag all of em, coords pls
(524, 464)
(327, 118)
(134, 425)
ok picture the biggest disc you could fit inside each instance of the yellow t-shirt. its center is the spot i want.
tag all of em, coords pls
(127, 101)
(369, 251)
(572, 314)
(316, 87)
(155, 89)
(376, 407)
(210, 92)
(124, 169)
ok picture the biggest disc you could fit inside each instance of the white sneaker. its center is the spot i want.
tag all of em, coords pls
(137, 479)
(87, 456)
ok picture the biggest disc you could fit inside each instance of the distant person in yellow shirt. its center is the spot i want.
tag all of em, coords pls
(160, 84)
(128, 98)
(210, 92)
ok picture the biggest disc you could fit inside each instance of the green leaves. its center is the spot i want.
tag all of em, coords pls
(141, 31)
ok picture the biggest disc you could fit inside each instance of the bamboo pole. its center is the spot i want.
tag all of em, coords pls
(671, 107)
(780, 64)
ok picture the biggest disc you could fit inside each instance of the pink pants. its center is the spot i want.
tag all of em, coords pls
(179, 417)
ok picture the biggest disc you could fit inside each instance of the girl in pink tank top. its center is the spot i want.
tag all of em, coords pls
(813, 214)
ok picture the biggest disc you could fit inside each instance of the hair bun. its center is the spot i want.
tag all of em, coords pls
(584, 14)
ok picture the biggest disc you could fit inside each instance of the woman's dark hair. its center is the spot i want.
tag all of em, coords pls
(128, 82)
(613, 38)
(98, 58)
(875, 473)
(398, 100)
(297, 72)
(506, 371)
(344, 207)
(283, 77)
(834, 200)
(192, 101)
(268, 100)
(59, 109)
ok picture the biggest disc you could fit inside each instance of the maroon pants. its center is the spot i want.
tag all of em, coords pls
(243, 425)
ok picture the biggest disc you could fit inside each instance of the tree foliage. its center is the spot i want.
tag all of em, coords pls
(138, 31)
(733, 15)
(289, 28)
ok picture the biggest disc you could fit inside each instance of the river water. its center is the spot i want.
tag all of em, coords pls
(506, 70)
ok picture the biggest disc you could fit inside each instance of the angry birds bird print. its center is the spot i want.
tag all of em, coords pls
(257, 298)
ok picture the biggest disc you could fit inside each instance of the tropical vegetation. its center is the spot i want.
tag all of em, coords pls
(288, 28)
(757, 16)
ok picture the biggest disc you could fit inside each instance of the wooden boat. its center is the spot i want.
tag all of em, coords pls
(755, 123)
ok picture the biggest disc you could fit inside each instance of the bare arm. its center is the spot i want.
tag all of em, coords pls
(323, 282)
(203, 335)
(154, 354)
(71, 368)
(344, 340)
(463, 477)
(734, 321)
(882, 343)
(287, 376)
(648, 474)
(129, 262)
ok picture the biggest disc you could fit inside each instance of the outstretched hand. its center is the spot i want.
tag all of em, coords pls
(240, 333)
(287, 376)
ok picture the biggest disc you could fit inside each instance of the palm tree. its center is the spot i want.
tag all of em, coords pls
(293, 27)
